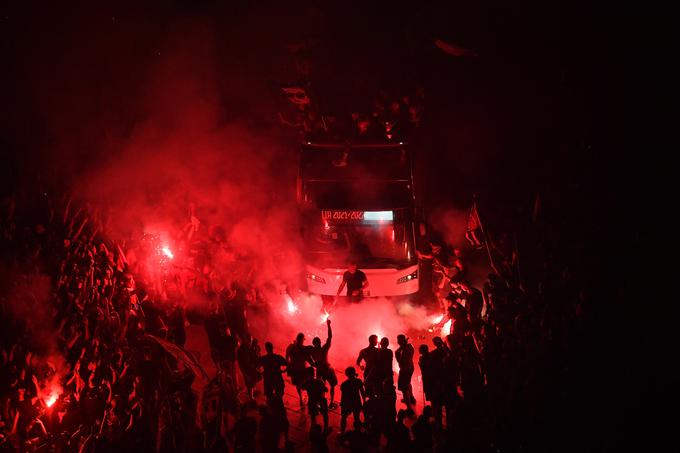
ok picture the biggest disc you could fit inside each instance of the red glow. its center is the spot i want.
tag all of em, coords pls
(435, 322)
(167, 252)
(446, 330)
(51, 399)
(291, 305)
(324, 316)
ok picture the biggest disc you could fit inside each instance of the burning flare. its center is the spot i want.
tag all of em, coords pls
(292, 307)
(324, 316)
(447, 328)
(51, 399)
(434, 322)
(167, 252)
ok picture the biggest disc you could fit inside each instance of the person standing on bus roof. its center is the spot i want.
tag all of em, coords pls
(356, 282)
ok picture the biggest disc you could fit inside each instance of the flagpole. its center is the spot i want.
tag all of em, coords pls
(486, 238)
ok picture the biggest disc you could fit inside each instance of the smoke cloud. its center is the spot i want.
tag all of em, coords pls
(351, 323)
(173, 136)
(451, 224)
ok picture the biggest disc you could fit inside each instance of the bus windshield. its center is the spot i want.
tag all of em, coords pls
(373, 244)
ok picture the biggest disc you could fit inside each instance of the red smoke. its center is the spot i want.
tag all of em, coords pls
(176, 155)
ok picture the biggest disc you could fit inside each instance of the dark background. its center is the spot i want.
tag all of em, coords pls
(544, 108)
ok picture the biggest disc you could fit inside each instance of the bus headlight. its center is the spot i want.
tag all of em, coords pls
(316, 278)
(409, 277)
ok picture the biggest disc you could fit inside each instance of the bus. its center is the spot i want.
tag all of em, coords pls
(357, 202)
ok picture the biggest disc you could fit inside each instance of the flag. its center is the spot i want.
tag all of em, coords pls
(182, 355)
(474, 233)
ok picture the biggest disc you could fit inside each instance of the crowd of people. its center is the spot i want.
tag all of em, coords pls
(392, 116)
(88, 363)
(95, 361)
(389, 119)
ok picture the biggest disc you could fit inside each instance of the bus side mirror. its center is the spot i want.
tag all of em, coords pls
(422, 229)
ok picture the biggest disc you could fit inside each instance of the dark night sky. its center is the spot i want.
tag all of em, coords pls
(528, 107)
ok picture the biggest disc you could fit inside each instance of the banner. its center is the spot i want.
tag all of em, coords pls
(182, 355)
(474, 233)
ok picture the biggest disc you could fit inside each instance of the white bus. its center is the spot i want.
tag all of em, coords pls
(357, 202)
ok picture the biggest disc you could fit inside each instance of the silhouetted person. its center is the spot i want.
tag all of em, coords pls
(271, 371)
(404, 355)
(398, 436)
(323, 368)
(248, 356)
(436, 359)
(176, 325)
(471, 375)
(316, 398)
(423, 432)
(369, 355)
(474, 301)
(273, 424)
(298, 356)
(430, 380)
(356, 283)
(383, 368)
(495, 291)
(386, 408)
(229, 351)
(458, 315)
(441, 268)
(234, 302)
(352, 399)
(215, 329)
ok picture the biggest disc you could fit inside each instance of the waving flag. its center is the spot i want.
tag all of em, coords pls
(474, 233)
(182, 355)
